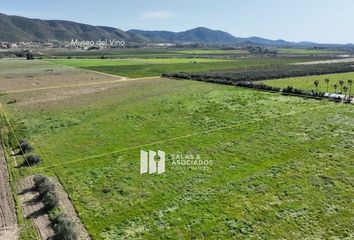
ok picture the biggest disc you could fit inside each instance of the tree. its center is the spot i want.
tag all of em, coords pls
(335, 86)
(64, 228)
(345, 89)
(50, 200)
(341, 83)
(32, 160)
(350, 82)
(29, 56)
(316, 84)
(327, 82)
(38, 180)
(24, 146)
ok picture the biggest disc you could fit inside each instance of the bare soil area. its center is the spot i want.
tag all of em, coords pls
(8, 221)
(70, 211)
(33, 208)
(342, 60)
(48, 79)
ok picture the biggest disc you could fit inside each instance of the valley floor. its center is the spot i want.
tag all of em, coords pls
(281, 166)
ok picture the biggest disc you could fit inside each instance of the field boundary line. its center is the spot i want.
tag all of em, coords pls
(94, 71)
(180, 137)
(89, 70)
(13, 132)
(79, 85)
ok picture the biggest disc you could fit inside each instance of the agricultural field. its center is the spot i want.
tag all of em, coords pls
(304, 51)
(142, 53)
(307, 83)
(155, 67)
(210, 51)
(281, 167)
(120, 53)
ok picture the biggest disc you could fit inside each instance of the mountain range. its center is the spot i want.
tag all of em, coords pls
(21, 29)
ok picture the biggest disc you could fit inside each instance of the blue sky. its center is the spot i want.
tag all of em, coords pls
(326, 21)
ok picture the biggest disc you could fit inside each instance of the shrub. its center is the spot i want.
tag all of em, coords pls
(29, 56)
(32, 160)
(45, 187)
(50, 200)
(46, 191)
(63, 228)
(25, 146)
(38, 179)
(106, 190)
(258, 86)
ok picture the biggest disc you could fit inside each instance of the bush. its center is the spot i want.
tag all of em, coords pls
(45, 187)
(46, 191)
(38, 179)
(50, 200)
(25, 147)
(29, 56)
(63, 228)
(32, 160)
(258, 86)
(263, 73)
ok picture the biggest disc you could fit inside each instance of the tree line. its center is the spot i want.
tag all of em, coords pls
(264, 73)
(248, 78)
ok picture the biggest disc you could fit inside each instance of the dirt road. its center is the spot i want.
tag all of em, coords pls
(70, 211)
(8, 221)
(342, 60)
(33, 208)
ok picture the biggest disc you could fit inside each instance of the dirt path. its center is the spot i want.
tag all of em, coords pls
(8, 221)
(342, 60)
(87, 70)
(70, 211)
(80, 85)
(34, 209)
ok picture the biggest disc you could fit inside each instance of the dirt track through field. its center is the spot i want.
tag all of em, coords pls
(8, 221)
(88, 70)
(342, 60)
(79, 85)
(34, 209)
(70, 211)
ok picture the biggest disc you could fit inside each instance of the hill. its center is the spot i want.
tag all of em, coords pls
(16, 29)
(21, 29)
(197, 35)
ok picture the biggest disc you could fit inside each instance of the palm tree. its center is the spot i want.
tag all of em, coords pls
(327, 82)
(335, 88)
(316, 84)
(350, 82)
(341, 83)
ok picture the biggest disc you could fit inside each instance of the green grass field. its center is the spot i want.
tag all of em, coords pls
(307, 83)
(156, 53)
(141, 53)
(155, 67)
(304, 51)
(282, 165)
(209, 51)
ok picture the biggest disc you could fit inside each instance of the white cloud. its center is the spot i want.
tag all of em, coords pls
(152, 15)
